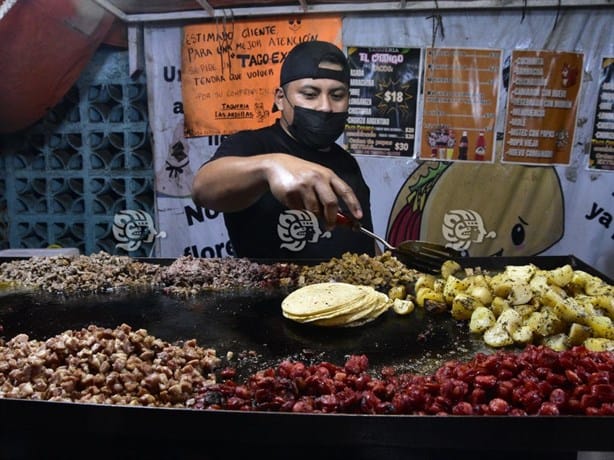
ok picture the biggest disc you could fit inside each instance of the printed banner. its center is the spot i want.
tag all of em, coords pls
(542, 106)
(410, 196)
(230, 70)
(461, 94)
(602, 144)
(383, 100)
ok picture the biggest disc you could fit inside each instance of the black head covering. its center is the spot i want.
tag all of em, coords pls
(304, 60)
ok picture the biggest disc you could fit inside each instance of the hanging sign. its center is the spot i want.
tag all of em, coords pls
(602, 143)
(230, 69)
(542, 106)
(383, 96)
(461, 94)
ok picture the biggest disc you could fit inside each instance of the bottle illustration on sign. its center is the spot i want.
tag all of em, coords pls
(463, 146)
(432, 140)
(450, 146)
(442, 142)
(480, 147)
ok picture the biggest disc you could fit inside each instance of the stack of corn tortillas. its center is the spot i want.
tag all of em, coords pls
(335, 304)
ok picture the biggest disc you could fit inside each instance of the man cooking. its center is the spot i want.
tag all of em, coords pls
(280, 187)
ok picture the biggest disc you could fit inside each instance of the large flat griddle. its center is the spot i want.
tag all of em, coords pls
(249, 324)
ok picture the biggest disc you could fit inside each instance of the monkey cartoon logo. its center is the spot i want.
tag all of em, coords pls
(262, 114)
(294, 24)
(296, 228)
(481, 210)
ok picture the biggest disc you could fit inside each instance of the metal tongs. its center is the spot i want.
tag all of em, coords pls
(420, 255)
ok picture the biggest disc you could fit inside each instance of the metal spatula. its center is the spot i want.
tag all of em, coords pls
(421, 255)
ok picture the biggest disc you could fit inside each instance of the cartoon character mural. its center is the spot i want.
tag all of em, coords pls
(481, 210)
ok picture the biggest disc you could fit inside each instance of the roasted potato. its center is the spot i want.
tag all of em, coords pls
(561, 307)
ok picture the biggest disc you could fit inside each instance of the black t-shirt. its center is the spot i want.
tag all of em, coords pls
(267, 229)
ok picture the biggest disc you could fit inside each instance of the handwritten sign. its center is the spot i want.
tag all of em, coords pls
(230, 70)
(602, 143)
(542, 106)
(461, 93)
(383, 95)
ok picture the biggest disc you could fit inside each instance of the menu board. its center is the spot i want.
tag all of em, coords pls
(230, 70)
(602, 143)
(461, 93)
(542, 107)
(383, 100)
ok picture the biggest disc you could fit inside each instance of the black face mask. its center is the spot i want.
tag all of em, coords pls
(315, 128)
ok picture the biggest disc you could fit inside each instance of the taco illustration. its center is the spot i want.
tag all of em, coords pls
(482, 210)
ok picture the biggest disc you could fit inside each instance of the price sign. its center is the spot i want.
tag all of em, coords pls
(542, 106)
(383, 94)
(602, 144)
(401, 146)
(393, 96)
(461, 93)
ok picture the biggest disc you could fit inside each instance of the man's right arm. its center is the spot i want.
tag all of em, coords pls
(229, 183)
(233, 183)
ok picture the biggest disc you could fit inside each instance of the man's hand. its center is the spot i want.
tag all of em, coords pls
(300, 184)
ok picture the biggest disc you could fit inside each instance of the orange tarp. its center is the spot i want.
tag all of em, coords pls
(44, 47)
